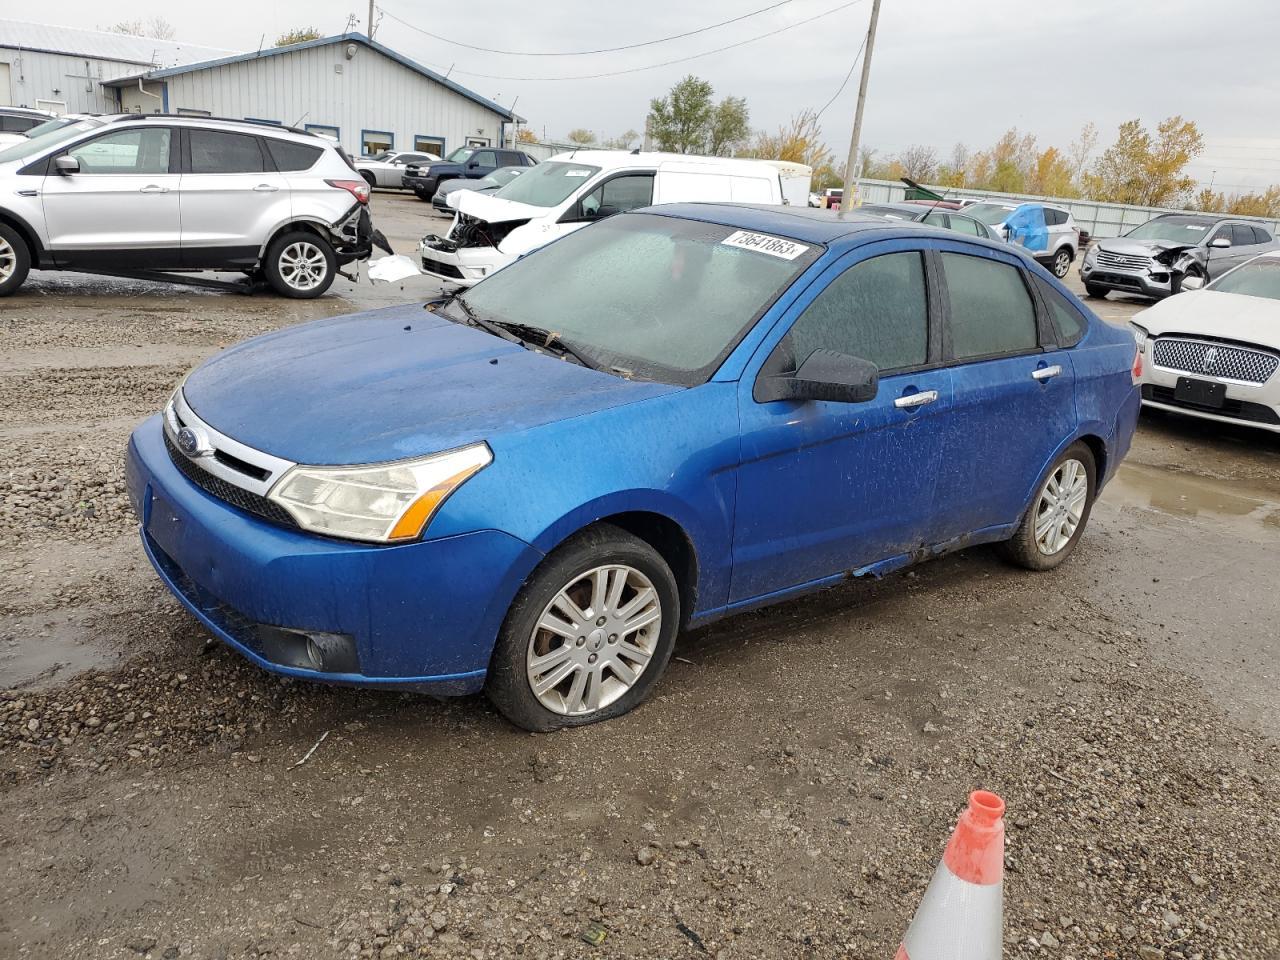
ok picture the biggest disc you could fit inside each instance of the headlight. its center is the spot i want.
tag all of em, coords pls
(1091, 254)
(381, 503)
(1140, 337)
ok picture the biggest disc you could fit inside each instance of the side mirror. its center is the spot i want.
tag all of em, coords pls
(1192, 283)
(1220, 242)
(603, 211)
(824, 375)
(66, 165)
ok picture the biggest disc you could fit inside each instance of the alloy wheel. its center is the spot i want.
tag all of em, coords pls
(303, 265)
(1061, 264)
(8, 260)
(594, 640)
(1060, 506)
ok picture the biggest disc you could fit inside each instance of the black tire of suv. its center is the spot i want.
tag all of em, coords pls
(21, 259)
(421, 195)
(271, 264)
(507, 684)
(1021, 549)
(1193, 271)
(369, 178)
(1060, 266)
(1095, 291)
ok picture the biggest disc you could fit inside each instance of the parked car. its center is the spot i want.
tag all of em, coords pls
(1153, 259)
(144, 194)
(467, 163)
(16, 121)
(1213, 353)
(830, 198)
(1048, 232)
(499, 178)
(50, 126)
(386, 169)
(933, 216)
(574, 189)
(671, 416)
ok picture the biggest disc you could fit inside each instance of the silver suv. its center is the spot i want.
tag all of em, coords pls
(144, 195)
(1019, 223)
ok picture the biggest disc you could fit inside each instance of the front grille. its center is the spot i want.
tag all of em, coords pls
(1123, 261)
(229, 493)
(1116, 280)
(440, 268)
(1214, 359)
(1231, 407)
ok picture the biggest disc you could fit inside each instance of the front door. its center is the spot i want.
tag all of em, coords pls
(1014, 399)
(827, 488)
(120, 211)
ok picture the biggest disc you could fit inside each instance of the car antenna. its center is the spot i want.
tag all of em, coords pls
(938, 198)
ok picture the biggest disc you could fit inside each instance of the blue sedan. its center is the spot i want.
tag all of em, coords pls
(673, 415)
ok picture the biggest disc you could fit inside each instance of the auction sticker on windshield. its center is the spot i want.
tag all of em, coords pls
(763, 243)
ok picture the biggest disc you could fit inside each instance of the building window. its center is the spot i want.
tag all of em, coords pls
(373, 142)
(425, 144)
(190, 112)
(477, 142)
(274, 123)
(324, 130)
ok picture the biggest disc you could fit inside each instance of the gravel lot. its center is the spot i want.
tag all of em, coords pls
(787, 793)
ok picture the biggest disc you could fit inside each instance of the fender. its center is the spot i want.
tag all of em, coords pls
(39, 256)
(1089, 428)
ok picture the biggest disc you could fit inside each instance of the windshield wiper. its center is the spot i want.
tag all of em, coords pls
(549, 340)
(487, 325)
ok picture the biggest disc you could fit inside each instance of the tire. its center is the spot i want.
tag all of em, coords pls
(1060, 266)
(1193, 271)
(572, 572)
(300, 264)
(422, 196)
(1044, 552)
(1095, 291)
(15, 260)
(369, 178)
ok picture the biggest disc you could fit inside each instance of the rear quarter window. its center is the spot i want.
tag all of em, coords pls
(293, 156)
(1067, 321)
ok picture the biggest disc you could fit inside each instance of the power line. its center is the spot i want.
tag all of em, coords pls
(844, 83)
(667, 63)
(584, 53)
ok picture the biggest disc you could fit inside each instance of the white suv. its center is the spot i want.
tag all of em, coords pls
(139, 195)
(1055, 244)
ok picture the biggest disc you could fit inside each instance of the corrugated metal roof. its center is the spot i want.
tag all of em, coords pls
(99, 45)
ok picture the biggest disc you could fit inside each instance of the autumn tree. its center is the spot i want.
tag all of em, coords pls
(1145, 169)
(1051, 175)
(1264, 204)
(918, 162)
(298, 35)
(1081, 150)
(730, 126)
(955, 172)
(623, 141)
(156, 28)
(525, 135)
(580, 136)
(687, 120)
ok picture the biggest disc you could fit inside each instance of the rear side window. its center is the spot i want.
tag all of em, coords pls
(1054, 218)
(876, 310)
(991, 309)
(1260, 235)
(1066, 318)
(218, 152)
(485, 158)
(12, 124)
(293, 156)
(1241, 235)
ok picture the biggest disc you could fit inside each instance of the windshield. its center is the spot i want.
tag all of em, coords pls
(461, 154)
(548, 184)
(503, 176)
(989, 213)
(659, 297)
(40, 129)
(380, 155)
(29, 148)
(1257, 278)
(1172, 229)
(891, 213)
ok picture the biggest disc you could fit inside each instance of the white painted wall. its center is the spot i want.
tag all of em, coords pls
(53, 76)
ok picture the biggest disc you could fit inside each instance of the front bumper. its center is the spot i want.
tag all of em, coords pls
(1247, 404)
(422, 185)
(421, 616)
(1145, 283)
(463, 265)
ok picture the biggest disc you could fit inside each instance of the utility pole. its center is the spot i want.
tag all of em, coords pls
(369, 22)
(851, 168)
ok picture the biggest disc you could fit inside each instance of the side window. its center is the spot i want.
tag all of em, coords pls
(1261, 236)
(966, 225)
(1067, 320)
(1241, 235)
(1054, 218)
(292, 156)
(12, 124)
(936, 219)
(217, 152)
(876, 310)
(619, 195)
(486, 158)
(1223, 233)
(991, 308)
(135, 150)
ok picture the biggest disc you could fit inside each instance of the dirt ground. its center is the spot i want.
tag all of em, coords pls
(786, 793)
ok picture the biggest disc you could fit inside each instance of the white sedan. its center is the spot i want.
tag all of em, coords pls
(1214, 352)
(386, 169)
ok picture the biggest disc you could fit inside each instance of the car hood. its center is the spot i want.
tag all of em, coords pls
(493, 209)
(1229, 316)
(1140, 248)
(391, 384)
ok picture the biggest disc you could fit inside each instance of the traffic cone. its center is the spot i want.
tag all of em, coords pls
(962, 914)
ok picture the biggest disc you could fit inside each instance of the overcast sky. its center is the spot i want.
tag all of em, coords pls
(943, 70)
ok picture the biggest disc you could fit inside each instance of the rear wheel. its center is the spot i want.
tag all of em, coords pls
(589, 634)
(15, 260)
(1052, 527)
(300, 264)
(1095, 291)
(1061, 263)
(369, 178)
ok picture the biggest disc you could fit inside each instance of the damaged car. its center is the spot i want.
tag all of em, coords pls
(163, 197)
(671, 416)
(1154, 259)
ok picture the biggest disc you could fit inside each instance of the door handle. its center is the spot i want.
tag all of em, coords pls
(1046, 373)
(265, 188)
(916, 399)
(154, 188)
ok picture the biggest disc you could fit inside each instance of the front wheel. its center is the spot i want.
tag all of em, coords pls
(300, 265)
(1052, 527)
(15, 260)
(1192, 271)
(1061, 263)
(589, 634)
(1095, 291)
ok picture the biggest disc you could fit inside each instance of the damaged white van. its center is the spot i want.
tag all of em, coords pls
(573, 189)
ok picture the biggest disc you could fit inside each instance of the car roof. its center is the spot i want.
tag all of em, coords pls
(612, 159)
(1193, 217)
(257, 127)
(27, 112)
(900, 206)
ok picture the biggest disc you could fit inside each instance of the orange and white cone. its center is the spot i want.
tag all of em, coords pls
(962, 914)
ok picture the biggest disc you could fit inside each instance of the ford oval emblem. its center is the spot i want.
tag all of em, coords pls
(188, 442)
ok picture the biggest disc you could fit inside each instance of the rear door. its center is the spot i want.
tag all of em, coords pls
(1014, 399)
(1244, 244)
(232, 198)
(121, 210)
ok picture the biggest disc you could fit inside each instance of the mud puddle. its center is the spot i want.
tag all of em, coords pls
(43, 649)
(1242, 508)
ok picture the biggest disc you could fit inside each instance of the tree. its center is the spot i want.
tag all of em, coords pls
(1081, 149)
(955, 172)
(798, 141)
(157, 28)
(1264, 204)
(1148, 170)
(298, 35)
(623, 141)
(678, 122)
(1209, 202)
(581, 136)
(1051, 175)
(729, 127)
(918, 162)
(525, 135)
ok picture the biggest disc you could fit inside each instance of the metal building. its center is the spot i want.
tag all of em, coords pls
(63, 69)
(349, 87)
